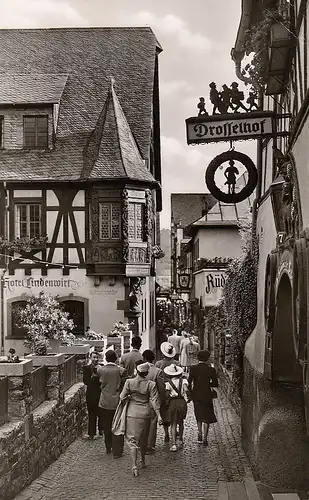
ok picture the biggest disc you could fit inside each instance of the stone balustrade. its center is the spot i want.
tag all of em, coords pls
(38, 436)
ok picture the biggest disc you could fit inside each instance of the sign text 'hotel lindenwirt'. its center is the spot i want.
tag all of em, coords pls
(229, 127)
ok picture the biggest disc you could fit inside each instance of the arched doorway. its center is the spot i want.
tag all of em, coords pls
(285, 365)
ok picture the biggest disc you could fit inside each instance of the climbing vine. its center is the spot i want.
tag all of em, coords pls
(234, 319)
(257, 40)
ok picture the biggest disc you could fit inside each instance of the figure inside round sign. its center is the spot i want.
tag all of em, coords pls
(230, 173)
(226, 189)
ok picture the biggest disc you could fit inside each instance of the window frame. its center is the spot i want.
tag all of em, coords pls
(36, 146)
(28, 203)
(142, 207)
(110, 221)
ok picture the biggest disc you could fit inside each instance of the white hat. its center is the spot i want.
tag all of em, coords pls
(143, 368)
(168, 350)
(173, 370)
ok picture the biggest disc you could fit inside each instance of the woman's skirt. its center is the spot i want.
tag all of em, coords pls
(176, 411)
(204, 412)
(137, 432)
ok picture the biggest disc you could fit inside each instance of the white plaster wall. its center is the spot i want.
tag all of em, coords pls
(148, 334)
(219, 242)
(267, 242)
(300, 152)
(102, 299)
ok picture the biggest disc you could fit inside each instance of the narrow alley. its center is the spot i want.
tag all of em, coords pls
(84, 471)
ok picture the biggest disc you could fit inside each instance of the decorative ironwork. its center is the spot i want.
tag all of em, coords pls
(125, 225)
(230, 173)
(228, 98)
(201, 107)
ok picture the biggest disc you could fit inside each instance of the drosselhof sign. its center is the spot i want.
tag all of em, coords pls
(234, 127)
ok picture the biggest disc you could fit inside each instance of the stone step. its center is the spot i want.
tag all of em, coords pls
(246, 490)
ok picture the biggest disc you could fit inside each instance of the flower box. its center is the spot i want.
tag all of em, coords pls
(16, 369)
(47, 360)
(76, 349)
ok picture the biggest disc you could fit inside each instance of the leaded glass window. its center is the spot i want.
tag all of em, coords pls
(27, 220)
(136, 221)
(110, 221)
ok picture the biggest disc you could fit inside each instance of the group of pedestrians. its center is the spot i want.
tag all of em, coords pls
(146, 394)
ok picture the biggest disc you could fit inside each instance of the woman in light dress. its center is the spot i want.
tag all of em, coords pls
(143, 395)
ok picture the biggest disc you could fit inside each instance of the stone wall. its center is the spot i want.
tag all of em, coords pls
(225, 384)
(30, 445)
(274, 431)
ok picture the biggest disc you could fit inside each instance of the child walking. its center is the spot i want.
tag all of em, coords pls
(177, 388)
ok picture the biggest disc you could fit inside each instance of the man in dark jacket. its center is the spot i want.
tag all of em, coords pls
(128, 360)
(93, 391)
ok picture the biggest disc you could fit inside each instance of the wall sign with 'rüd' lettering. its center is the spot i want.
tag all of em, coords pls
(205, 129)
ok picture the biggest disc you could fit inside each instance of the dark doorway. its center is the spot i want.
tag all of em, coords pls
(76, 310)
(285, 365)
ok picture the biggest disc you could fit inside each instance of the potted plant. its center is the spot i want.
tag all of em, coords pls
(44, 321)
(12, 365)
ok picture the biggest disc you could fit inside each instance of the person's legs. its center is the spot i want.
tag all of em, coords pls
(106, 422)
(152, 435)
(166, 433)
(100, 426)
(200, 432)
(206, 430)
(143, 441)
(180, 438)
(92, 418)
(173, 432)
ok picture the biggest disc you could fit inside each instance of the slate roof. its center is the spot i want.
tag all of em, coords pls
(33, 89)
(224, 214)
(90, 57)
(112, 151)
(188, 207)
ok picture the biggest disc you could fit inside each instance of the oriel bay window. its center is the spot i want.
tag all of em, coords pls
(36, 131)
(27, 220)
(136, 221)
(110, 221)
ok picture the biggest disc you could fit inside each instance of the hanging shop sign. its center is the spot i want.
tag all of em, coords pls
(209, 286)
(229, 192)
(230, 127)
(184, 282)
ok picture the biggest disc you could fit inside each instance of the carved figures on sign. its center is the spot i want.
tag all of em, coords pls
(228, 98)
(230, 173)
(201, 107)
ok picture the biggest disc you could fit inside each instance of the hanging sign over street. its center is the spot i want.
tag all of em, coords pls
(229, 127)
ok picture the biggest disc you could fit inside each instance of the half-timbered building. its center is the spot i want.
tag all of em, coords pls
(275, 396)
(80, 163)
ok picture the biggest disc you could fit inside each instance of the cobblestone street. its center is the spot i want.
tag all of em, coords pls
(84, 471)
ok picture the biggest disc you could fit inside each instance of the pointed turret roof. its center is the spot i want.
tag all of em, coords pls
(112, 152)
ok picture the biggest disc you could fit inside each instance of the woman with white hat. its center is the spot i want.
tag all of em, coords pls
(169, 352)
(177, 387)
(143, 395)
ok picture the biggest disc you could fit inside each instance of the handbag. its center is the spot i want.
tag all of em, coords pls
(119, 420)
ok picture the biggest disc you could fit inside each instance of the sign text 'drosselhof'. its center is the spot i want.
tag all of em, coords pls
(229, 127)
